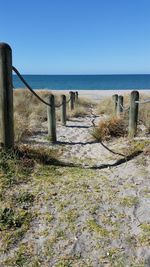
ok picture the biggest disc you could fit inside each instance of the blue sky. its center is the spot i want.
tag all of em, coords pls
(77, 36)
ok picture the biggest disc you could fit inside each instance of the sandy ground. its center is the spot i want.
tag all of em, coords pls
(125, 199)
(101, 216)
(75, 139)
(100, 94)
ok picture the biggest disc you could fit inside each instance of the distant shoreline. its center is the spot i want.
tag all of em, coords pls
(93, 94)
(100, 94)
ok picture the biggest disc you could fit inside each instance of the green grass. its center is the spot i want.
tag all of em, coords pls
(129, 201)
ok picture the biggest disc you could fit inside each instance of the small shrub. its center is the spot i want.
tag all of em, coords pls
(13, 219)
(113, 127)
(40, 154)
(25, 199)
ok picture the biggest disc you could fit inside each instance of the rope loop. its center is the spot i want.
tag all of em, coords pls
(31, 90)
(125, 109)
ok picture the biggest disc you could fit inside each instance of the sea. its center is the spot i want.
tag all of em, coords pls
(85, 82)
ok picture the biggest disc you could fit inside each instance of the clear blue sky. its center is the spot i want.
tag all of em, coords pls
(77, 36)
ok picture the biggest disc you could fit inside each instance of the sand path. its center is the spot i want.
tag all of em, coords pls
(76, 143)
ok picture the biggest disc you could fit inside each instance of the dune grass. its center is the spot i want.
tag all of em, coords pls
(106, 107)
(30, 113)
(108, 128)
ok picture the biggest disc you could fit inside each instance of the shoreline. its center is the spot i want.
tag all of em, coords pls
(93, 94)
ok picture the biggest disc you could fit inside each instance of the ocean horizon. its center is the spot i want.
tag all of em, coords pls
(86, 82)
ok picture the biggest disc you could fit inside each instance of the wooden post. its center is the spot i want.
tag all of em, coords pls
(76, 99)
(115, 99)
(72, 100)
(133, 113)
(120, 105)
(63, 111)
(51, 119)
(6, 97)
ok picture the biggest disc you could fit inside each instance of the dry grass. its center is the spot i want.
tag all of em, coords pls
(79, 112)
(30, 113)
(112, 127)
(82, 109)
(106, 106)
(144, 112)
(85, 102)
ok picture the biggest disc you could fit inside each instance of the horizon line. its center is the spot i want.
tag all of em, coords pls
(85, 74)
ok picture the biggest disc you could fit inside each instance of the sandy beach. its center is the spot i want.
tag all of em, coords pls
(100, 94)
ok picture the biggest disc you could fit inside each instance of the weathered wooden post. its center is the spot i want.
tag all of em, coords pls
(6, 97)
(133, 113)
(63, 111)
(76, 99)
(72, 100)
(115, 99)
(51, 119)
(120, 105)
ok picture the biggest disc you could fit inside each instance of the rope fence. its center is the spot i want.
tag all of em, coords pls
(51, 117)
(143, 102)
(125, 108)
(29, 87)
(6, 103)
(133, 109)
(31, 90)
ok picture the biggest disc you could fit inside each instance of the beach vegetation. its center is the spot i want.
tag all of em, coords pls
(106, 107)
(129, 201)
(30, 114)
(63, 212)
(108, 128)
(79, 112)
(144, 113)
(86, 102)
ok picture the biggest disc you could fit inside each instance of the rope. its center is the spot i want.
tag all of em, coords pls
(125, 109)
(31, 90)
(28, 86)
(143, 102)
(114, 152)
(58, 106)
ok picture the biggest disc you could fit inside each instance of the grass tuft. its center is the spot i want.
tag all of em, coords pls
(113, 127)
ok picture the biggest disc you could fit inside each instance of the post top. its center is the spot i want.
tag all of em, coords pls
(135, 92)
(5, 46)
